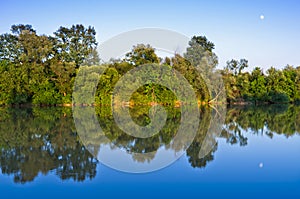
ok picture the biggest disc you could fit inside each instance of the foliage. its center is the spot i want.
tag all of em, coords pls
(142, 54)
(74, 44)
(236, 66)
(41, 69)
(276, 86)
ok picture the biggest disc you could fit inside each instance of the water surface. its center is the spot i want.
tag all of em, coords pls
(257, 155)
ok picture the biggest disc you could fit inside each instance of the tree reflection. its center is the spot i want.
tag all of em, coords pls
(37, 141)
(43, 140)
(262, 120)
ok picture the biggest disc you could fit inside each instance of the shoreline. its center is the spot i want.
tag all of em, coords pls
(177, 104)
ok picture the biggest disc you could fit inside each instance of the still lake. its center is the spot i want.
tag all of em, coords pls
(257, 154)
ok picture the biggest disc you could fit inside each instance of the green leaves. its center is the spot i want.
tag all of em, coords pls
(142, 54)
(41, 69)
(74, 44)
(8, 47)
(258, 87)
(202, 41)
(277, 86)
(46, 93)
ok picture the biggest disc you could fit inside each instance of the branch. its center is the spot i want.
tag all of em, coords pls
(215, 97)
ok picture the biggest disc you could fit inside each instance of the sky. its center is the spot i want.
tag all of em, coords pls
(235, 27)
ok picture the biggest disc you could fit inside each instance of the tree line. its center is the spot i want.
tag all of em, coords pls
(272, 86)
(41, 69)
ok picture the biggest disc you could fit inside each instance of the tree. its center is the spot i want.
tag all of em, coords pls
(35, 49)
(20, 28)
(74, 44)
(92, 59)
(236, 66)
(243, 84)
(9, 47)
(200, 55)
(297, 83)
(273, 79)
(230, 84)
(203, 41)
(290, 79)
(142, 54)
(258, 84)
(63, 78)
(193, 76)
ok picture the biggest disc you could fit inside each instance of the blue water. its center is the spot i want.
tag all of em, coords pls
(265, 168)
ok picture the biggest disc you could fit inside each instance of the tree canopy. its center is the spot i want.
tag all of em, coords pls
(41, 69)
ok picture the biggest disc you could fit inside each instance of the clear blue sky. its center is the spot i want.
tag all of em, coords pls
(234, 26)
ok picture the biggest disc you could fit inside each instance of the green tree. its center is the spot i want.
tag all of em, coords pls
(18, 29)
(258, 88)
(243, 84)
(236, 66)
(297, 84)
(201, 56)
(14, 85)
(9, 48)
(290, 80)
(204, 42)
(92, 59)
(74, 44)
(193, 76)
(142, 54)
(63, 76)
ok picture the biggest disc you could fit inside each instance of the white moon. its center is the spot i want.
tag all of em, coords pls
(262, 17)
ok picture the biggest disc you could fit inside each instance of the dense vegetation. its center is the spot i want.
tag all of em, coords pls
(274, 86)
(41, 69)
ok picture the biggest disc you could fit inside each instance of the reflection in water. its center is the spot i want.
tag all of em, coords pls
(267, 120)
(40, 140)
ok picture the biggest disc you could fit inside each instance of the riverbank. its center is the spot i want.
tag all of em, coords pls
(176, 104)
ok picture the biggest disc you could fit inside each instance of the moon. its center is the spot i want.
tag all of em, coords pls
(262, 17)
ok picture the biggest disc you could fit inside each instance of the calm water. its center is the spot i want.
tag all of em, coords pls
(257, 155)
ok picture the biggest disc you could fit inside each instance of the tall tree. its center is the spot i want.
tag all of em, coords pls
(201, 56)
(18, 29)
(200, 53)
(74, 44)
(9, 47)
(183, 66)
(204, 42)
(142, 54)
(35, 49)
(236, 66)
(258, 84)
(92, 59)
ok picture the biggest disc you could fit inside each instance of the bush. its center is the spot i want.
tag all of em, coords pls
(45, 93)
(278, 97)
